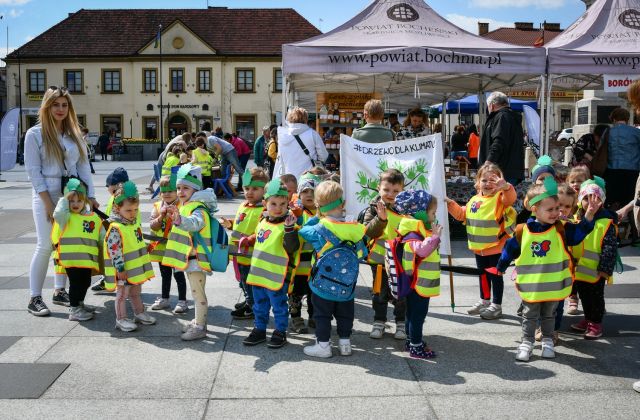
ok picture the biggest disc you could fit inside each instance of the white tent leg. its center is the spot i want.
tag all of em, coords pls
(285, 94)
(548, 117)
(543, 97)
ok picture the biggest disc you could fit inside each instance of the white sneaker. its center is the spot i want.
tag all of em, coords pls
(548, 351)
(194, 333)
(636, 386)
(160, 304)
(87, 308)
(401, 333)
(344, 344)
(125, 325)
(319, 350)
(144, 318)
(377, 330)
(524, 351)
(478, 307)
(493, 311)
(79, 314)
(181, 307)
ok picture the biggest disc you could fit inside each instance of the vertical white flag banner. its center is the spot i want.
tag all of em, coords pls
(532, 120)
(9, 139)
(419, 159)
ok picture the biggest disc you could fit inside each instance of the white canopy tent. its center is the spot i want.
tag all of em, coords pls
(405, 50)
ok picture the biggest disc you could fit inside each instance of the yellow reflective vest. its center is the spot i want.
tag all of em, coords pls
(485, 221)
(544, 267)
(305, 256)
(204, 160)
(171, 161)
(137, 264)
(245, 224)
(109, 206)
(157, 248)
(269, 261)
(377, 252)
(180, 247)
(587, 253)
(77, 245)
(427, 275)
(345, 231)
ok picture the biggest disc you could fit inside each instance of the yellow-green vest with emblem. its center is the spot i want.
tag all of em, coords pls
(77, 245)
(544, 268)
(245, 224)
(377, 252)
(109, 206)
(157, 248)
(180, 244)
(587, 253)
(204, 160)
(171, 161)
(137, 264)
(305, 256)
(485, 221)
(427, 278)
(269, 261)
(345, 231)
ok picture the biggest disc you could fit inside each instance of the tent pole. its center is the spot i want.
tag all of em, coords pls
(548, 118)
(443, 134)
(542, 112)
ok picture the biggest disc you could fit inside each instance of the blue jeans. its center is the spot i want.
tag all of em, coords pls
(247, 289)
(457, 153)
(265, 300)
(559, 313)
(231, 158)
(417, 309)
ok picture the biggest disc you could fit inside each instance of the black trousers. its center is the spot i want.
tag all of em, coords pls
(380, 301)
(79, 282)
(592, 297)
(300, 290)
(324, 310)
(166, 273)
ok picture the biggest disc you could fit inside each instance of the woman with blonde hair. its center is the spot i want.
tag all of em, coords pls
(54, 151)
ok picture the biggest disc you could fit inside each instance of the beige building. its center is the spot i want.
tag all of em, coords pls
(220, 67)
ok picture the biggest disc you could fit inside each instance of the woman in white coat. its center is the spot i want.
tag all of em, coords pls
(292, 158)
(52, 149)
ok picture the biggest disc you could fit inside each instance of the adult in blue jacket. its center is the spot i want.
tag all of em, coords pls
(623, 165)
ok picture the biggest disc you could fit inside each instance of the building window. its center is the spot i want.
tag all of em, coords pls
(82, 120)
(111, 81)
(149, 77)
(150, 127)
(73, 81)
(177, 80)
(37, 81)
(277, 80)
(111, 122)
(245, 126)
(244, 80)
(204, 80)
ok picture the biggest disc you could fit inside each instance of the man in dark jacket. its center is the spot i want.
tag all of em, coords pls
(502, 139)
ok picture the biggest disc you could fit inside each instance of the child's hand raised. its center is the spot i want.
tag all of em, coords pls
(593, 205)
(436, 228)
(290, 220)
(227, 224)
(501, 184)
(381, 209)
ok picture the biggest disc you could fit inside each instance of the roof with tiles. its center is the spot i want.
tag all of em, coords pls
(123, 32)
(523, 37)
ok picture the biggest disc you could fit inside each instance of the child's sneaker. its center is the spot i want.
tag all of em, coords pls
(37, 307)
(240, 304)
(160, 303)
(524, 351)
(401, 333)
(278, 339)
(520, 310)
(79, 314)
(88, 308)
(256, 337)
(181, 307)
(322, 350)
(377, 330)
(573, 305)
(421, 351)
(60, 297)
(125, 325)
(580, 326)
(594, 331)
(538, 334)
(344, 344)
(493, 311)
(548, 351)
(246, 312)
(144, 318)
(297, 325)
(636, 386)
(478, 307)
(191, 323)
(194, 332)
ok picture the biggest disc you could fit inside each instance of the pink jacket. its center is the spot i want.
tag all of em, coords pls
(241, 146)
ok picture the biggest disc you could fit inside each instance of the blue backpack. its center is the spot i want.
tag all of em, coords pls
(218, 254)
(334, 275)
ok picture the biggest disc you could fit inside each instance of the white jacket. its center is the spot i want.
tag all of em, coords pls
(291, 158)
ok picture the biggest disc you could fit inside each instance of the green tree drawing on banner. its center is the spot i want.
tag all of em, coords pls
(416, 176)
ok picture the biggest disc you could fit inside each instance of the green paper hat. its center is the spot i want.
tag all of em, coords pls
(129, 190)
(275, 188)
(596, 180)
(544, 160)
(551, 189)
(247, 181)
(74, 184)
(309, 175)
(184, 173)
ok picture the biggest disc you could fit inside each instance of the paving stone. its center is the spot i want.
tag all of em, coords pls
(28, 380)
(7, 342)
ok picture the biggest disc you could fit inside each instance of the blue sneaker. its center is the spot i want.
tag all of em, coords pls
(421, 352)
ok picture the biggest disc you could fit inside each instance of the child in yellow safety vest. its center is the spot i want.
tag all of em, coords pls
(330, 203)
(160, 225)
(275, 244)
(543, 263)
(489, 219)
(201, 157)
(304, 209)
(76, 237)
(242, 227)
(183, 253)
(126, 260)
(390, 184)
(595, 260)
(421, 257)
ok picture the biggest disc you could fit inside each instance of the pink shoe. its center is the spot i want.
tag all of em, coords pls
(594, 331)
(580, 326)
